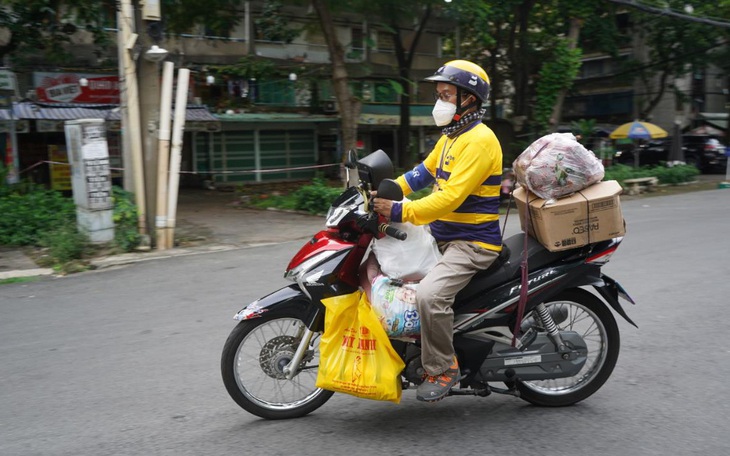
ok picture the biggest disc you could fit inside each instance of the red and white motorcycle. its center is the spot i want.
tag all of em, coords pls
(566, 346)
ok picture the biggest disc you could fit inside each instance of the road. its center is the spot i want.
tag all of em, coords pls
(126, 362)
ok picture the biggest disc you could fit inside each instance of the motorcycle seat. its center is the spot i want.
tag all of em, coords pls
(507, 265)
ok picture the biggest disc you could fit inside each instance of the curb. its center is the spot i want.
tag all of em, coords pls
(25, 273)
(130, 258)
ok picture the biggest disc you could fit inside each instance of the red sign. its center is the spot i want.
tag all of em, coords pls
(67, 88)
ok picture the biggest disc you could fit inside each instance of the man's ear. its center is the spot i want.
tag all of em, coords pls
(467, 100)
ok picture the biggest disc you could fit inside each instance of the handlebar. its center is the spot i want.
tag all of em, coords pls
(392, 232)
(373, 223)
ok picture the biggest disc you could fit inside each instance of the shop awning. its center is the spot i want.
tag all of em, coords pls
(50, 117)
(716, 119)
(63, 111)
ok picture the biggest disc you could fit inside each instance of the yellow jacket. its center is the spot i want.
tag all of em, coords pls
(466, 173)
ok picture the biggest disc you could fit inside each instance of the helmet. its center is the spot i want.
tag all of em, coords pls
(465, 75)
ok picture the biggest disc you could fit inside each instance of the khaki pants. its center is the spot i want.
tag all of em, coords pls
(435, 296)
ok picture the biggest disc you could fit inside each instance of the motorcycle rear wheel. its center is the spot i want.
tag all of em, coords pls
(593, 320)
(252, 368)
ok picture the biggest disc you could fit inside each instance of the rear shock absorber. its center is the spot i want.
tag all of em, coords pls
(552, 330)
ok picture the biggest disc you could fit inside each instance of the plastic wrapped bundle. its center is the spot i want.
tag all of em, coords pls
(395, 306)
(557, 165)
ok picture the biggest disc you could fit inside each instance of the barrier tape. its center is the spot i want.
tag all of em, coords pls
(252, 171)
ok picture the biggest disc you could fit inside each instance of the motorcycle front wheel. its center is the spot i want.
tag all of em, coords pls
(253, 361)
(593, 321)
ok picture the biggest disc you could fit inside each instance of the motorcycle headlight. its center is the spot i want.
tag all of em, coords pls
(335, 216)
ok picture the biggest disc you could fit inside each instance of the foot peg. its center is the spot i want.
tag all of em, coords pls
(482, 392)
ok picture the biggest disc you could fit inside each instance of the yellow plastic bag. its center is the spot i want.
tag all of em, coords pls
(356, 356)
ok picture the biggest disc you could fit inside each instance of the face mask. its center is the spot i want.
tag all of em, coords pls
(443, 113)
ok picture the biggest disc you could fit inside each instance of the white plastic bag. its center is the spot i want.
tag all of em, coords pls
(557, 165)
(395, 306)
(410, 259)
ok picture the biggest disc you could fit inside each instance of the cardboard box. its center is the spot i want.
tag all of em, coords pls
(590, 215)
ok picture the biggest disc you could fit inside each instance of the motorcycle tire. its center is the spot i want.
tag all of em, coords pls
(583, 306)
(258, 350)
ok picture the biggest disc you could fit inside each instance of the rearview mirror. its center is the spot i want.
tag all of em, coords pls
(375, 167)
(351, 162)
(389, 189)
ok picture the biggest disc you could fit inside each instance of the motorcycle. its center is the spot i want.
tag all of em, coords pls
(562, 352)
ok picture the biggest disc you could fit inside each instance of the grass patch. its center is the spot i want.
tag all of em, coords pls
(19, 280)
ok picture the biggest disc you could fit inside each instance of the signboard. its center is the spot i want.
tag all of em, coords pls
(98, 183)
(21, 126)
(387, 119)
(89, 155)
(60, 168)
(53, 126)
(208, 126)
(67, 88)
(8, 82)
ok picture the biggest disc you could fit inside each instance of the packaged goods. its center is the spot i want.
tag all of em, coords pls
(557, 165)
(356, 356)
(590, 215)
(410, 259)
(395, 306)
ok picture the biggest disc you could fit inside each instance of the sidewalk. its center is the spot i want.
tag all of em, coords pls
(207, 221)
(211, 220)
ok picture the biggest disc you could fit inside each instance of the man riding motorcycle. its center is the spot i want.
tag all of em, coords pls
(465, 169)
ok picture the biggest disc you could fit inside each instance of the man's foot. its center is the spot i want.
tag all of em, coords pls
(436, 387)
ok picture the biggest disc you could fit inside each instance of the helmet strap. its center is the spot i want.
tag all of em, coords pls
(460, 109)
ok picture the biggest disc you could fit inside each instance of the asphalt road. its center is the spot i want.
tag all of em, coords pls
(126, 362)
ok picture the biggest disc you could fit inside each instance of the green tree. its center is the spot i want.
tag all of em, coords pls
(520, 42)
(555, 78)
(676, 47)
(43, 28)
(405, 21)
(218, 16)
(273, 26)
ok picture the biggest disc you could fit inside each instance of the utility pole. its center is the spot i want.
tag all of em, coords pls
(132, 138)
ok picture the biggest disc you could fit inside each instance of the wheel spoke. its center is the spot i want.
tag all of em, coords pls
(259, 363)
(587, 324)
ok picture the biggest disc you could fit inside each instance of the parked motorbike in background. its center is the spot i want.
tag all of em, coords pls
(564, 350)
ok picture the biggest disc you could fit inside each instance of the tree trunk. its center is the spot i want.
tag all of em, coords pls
(349, 106)
(573, 34)
(400, 154)
(521, 61)
(405, 61)
(654, 101)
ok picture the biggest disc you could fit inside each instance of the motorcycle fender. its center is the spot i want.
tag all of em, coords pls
(610, 290)
(286, 297)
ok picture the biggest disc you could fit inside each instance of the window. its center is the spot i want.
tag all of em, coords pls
(385, 41)
(358, 40)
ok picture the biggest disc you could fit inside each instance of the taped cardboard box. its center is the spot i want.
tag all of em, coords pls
(590, 215)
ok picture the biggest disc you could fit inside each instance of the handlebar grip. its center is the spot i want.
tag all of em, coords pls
(393, 232)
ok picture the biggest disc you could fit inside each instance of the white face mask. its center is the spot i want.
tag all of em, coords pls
(443, 113)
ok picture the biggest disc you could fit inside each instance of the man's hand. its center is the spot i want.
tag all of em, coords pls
(382, 206)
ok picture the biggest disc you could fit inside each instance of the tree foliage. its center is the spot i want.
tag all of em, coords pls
(219, 17)
(556, 75)
(43, 28)
(272, 26)
(405, 21)
(676, 48)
